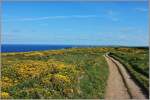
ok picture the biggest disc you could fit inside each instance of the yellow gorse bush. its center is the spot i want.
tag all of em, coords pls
(44, 53)
(55, 52)
(5, 95)
(36, 53)
(52, 73)
(6, 82)
(30, 68)
(55, 77)
(61, 78)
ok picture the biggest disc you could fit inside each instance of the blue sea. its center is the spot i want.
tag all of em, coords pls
(27, 48)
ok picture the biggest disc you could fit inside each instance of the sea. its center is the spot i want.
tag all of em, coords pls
(39, 47)
(34, 47)
(31, 47)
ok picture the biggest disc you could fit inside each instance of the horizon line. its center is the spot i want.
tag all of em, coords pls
(82, 45)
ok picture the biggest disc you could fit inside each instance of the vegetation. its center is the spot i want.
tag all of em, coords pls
(67, 73)
(136, 62)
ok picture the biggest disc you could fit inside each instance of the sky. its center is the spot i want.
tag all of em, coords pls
(75, 23)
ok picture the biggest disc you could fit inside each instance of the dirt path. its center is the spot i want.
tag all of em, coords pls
(119, 84)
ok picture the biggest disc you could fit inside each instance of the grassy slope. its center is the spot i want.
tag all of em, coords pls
(72, 73)
(69, 73)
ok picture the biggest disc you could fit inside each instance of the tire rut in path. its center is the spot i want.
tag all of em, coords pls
(116, 88)
(119, 84)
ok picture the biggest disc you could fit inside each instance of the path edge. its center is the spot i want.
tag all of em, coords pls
(124, 79)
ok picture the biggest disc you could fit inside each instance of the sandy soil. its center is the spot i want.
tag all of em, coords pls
(119, 84)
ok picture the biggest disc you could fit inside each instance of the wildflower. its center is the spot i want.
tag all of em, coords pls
(6, 82)
(5, 95)
(61, 78)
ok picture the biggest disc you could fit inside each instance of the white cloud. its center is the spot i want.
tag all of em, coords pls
(131, 30)
(141, 9)
(51, 17)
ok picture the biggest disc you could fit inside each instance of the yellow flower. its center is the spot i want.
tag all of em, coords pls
(30, 68)
(5, 95)
(61, 78)
(6, 82)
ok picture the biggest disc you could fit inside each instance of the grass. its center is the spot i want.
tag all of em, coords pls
(68, 73)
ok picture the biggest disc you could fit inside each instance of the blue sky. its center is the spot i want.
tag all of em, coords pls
(82, 23)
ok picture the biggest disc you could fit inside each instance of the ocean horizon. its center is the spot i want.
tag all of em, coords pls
(41, 47)
(31, 47)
